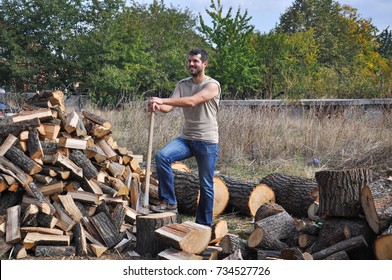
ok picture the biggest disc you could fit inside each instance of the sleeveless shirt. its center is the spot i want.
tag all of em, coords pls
(200, 121)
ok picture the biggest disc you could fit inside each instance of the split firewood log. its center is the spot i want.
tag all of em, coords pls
(247, 197)
(175, 255)
(54, 251)
(33, 239)
(56, 98)
(9, 199)
(7, 126)
(219, 229)
(340, 192)
(20, 159)
(188, 236)
(13, 234)
(19, 252)
(293, 193)
(376, 200)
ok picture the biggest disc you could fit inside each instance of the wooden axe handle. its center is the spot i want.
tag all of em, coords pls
(148, 166)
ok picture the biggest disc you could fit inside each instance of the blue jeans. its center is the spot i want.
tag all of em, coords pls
(206, 155)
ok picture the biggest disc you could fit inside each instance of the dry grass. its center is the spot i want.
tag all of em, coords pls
(256, 142)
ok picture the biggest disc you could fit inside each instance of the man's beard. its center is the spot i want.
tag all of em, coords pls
(196, 73)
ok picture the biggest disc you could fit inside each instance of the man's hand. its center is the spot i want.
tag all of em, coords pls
(154, 104)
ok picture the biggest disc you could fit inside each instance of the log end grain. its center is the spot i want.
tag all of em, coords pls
(221, 196)
(369, 208)
(383, 247)
(260, 195)
(255, 238)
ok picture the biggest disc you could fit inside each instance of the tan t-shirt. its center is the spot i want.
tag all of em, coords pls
(200, 122)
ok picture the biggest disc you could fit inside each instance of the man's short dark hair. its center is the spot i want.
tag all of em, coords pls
(203, 53)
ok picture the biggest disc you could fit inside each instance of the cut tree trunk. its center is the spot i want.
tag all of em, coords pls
(335, 230)
(268, 209)
(189, 237)
(291, 192)
(279, 225)
(147, 244)
(187, 188)
(247, 197)
(340, 192)
(260, 239)
(230, 243)
(270, 231)
(376, 200)
(349, 244)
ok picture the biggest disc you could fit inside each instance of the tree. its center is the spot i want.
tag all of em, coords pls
(233, 62)
(385, 41)
(348, 57)
(35, 35)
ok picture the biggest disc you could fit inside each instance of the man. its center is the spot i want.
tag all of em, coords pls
(198, 96)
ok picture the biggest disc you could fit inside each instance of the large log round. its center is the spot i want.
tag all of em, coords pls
(376, 200)
(247, 197)
(147, 244)
(340, 191)
(187, 189)
(292, 193)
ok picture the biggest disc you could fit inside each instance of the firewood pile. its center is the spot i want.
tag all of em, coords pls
(68, 189)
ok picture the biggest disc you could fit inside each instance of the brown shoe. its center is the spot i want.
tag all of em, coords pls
(163, 206)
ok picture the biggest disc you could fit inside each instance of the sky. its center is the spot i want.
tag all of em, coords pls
(266, 13)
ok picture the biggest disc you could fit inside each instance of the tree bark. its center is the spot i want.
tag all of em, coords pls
(147, 244)
(349, 244)
(340, 191)
(89, 170)
(247, 197)
(187, 186)
(292, 193)
(21, 160)
(9, 127)
(376, 200)
(335, 230)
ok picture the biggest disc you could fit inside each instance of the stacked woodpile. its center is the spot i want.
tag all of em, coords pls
(67, 188)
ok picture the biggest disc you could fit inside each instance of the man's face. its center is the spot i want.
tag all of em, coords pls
(195, 65)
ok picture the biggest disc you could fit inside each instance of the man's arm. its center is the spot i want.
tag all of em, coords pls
(167, 104)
